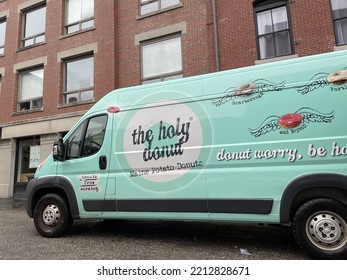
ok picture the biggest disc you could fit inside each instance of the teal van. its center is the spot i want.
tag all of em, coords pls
(261, 144)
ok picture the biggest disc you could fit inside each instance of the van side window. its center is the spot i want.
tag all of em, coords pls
(87, 138)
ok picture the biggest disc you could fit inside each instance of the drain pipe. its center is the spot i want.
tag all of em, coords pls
(215, 31)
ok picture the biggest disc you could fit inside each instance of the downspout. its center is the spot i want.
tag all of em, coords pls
(215, 32)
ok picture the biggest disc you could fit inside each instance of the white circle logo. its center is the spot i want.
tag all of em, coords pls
(165, 142)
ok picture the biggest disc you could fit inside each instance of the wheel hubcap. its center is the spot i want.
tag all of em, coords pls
(51, 215)
(327, 230)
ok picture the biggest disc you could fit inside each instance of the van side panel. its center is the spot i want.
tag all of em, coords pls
(226, 146)
(255, 156)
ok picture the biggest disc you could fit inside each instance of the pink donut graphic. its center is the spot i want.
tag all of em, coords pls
(290, 120)
(338, 77)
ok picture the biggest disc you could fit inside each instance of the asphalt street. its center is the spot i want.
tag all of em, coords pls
(142, 240)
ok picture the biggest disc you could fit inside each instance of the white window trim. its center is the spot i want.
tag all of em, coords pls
(91, 48)
(180, 27)
(29, 4)
(30, 64)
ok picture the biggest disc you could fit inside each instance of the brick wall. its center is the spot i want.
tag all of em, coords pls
(236, 34)
(197, 42)
(311, 24)
(118, 57)
(104, 58)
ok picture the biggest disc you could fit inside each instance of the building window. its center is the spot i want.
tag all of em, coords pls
(34, 26)
(339, 12)
(30, 90)
(28, 159)
(2, 36)
(79, 15)
(161, 60)
(273, 28)
(153, 6)
(79, 80)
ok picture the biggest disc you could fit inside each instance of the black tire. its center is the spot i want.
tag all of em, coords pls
(52, 216)
(320, 228)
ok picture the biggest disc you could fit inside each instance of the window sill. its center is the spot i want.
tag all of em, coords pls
(340, 48)
(30, 47)
(273, 59)
(62, 106)
(76, 33)
(24, 112)
(159, 11)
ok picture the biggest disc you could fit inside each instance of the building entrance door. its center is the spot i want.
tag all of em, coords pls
(28, 158)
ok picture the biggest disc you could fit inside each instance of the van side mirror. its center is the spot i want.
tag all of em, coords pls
(59, 150)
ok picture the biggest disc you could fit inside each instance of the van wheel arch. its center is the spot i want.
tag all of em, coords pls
(305, 188)
(55, 185)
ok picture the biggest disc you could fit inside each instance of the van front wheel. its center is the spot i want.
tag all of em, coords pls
(51, 216)
(320, 228)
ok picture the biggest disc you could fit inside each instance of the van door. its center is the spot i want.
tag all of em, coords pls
(157, 165)
(86, 164)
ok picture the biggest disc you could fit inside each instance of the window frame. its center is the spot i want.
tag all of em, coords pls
(166, 75)
(159, 10)
(79, 91)
(84, 128)
(37, 35)
(2, 47)
(334, 21)
(260, 6)
(31, 101)
(78, 23)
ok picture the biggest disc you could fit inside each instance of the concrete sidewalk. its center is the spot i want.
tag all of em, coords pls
(12, 202)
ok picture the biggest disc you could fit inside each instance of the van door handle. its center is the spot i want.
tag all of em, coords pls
(103, 162)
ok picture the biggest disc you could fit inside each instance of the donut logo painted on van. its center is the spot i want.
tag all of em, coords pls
(165, 141)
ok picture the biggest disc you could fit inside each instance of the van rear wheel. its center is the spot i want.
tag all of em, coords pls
(320, 228)
(51, 216)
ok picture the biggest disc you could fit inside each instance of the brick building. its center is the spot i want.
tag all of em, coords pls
(59, 57)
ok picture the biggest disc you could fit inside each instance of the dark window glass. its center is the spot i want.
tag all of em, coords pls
(273, 32)
(87, 138)
(339, 11)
